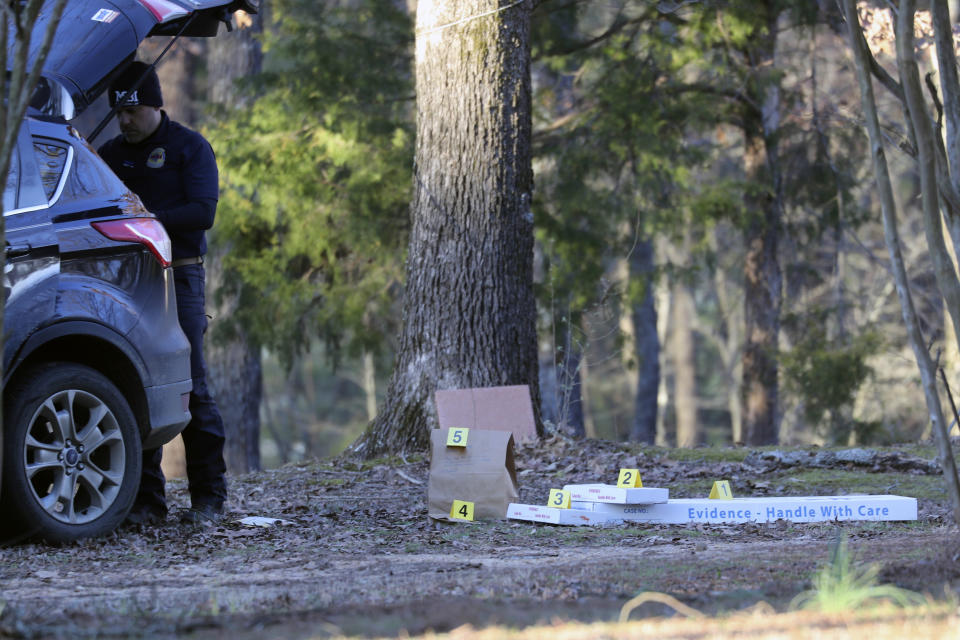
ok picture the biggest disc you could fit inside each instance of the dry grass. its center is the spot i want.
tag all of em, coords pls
(929, 622)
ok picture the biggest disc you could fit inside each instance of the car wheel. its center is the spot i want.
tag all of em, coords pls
(72, 453)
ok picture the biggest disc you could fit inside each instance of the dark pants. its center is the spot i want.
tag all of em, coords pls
(203, 437)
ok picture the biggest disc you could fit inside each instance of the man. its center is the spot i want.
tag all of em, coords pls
(174, 171)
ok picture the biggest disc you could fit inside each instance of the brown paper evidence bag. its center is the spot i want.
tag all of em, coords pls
(483, 473)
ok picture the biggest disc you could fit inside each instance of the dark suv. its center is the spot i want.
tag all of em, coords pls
(96, 368)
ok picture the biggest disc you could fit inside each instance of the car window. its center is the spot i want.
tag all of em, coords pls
(30, 191)
(51, 161)
(91, 176)
(13, 179)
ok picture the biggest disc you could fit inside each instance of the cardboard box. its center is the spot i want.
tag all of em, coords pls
(538, 513)
(612, 494)
(493, 408)
(768, 509)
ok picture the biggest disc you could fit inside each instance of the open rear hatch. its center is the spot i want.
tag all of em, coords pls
(95, 39)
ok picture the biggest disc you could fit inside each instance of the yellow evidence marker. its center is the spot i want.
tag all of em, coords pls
(461, 510)
(457, 437)
(721, 490)
(559, 499)
(629, 479)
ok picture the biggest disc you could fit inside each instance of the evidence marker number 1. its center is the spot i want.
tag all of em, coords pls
(721, 490)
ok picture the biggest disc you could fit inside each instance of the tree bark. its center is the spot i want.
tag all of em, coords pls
(549, 394)
(762, 276)
(922, 126)
(663, 301)
(469, 311)
(891, 236)
(728, 343)
(941, 11)
(647, 346)
(370, 384)
(233, 56)
(235, 377)
(684, 369)
(178, 73)
(569, 355)
(589, 426)
(234, 368)
(950, 85)
(943, 267)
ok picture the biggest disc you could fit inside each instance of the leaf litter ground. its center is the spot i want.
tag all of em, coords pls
(362, 558)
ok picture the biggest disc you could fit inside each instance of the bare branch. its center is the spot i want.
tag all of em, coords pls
(943, 269)
(892, 239)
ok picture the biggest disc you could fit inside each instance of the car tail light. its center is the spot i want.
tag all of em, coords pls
(163, 10)
(147, 231)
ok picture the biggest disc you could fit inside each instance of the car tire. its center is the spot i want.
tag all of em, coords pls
(71, 453)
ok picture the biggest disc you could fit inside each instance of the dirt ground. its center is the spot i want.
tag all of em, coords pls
(360, 556)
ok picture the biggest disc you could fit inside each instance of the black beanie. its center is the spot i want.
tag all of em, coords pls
(148, 93)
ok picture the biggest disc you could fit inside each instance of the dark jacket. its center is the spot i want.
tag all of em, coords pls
(174, 172)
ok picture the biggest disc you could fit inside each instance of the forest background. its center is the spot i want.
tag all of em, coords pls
(646, 206)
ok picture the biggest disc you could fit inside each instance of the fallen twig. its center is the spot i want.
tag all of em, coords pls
(408, 478)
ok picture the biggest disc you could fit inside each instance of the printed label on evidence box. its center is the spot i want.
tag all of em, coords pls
(616, 495)
(538, 513)
(767, 509)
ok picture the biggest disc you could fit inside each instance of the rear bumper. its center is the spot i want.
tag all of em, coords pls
(168, 412)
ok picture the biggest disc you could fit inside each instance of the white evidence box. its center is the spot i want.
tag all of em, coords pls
(552, 515)
(766, 509)
(608, 493)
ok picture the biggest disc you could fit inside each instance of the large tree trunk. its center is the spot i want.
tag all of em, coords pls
(469, 311)
(762, 277)
(233, 362)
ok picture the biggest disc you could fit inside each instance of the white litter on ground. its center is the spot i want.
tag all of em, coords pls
(262, 521)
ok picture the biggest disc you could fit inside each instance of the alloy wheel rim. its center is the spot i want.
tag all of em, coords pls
(74, 457)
